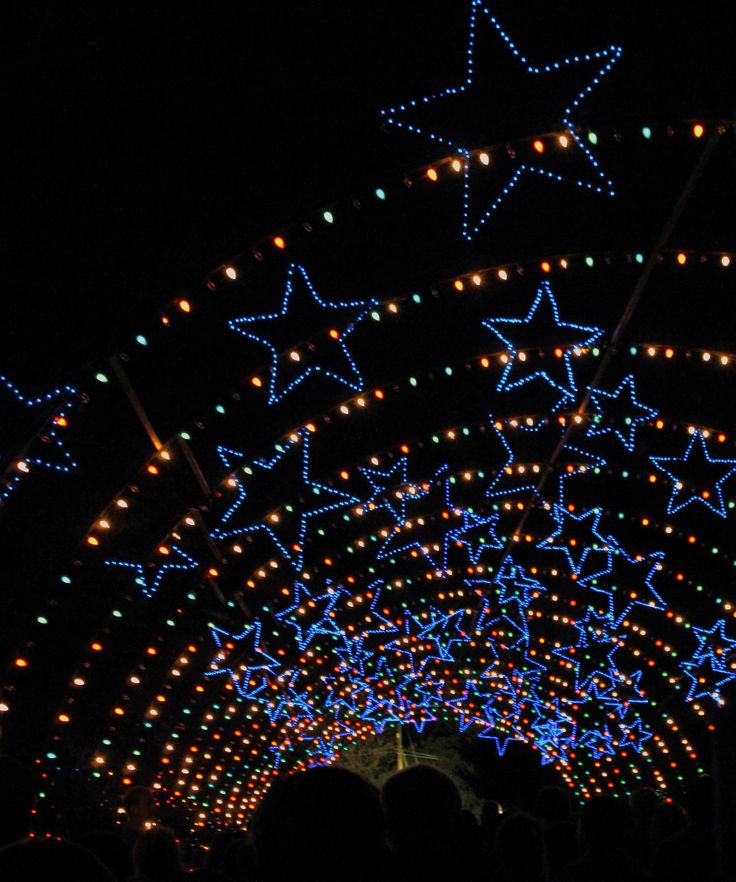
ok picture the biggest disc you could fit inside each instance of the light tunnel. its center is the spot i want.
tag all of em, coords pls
(468, 487)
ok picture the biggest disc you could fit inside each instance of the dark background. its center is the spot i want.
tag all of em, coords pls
(145, 144)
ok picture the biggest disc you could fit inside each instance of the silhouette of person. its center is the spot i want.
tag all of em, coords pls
(323, 824)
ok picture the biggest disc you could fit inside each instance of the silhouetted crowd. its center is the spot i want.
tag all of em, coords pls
(329, 824)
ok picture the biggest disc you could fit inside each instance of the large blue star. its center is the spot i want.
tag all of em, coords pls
(267, 329)
(149, 586)
(546, 164)
(541, 328)
(619, 413)
(697, 469)
(287, 529)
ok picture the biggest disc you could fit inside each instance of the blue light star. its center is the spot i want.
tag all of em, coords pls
(634, 735)
(52, 409)
(348, 315)
(697, 469)
(391, 489)
(619, 413)
(416, 703)
(442, 517)
(444, 631)
(471, 706)
(149, 586)
(598, 742)
(528, 451)
(320, 499)
(514, 586)
(502, 743)
(541, 328)
(291, 705)
(310, 615)
(591, 655)
(706, 677)
(580, 532)
(477, 534)
(416, 643)
(555, 733)
(627, 583)
(714, 642)
(593, 178)
(252, 683)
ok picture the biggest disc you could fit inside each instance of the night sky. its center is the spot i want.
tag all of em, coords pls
(145, 145)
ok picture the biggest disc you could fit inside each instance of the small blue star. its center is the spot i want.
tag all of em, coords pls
(502, 743)
(471, 706)
(443, 517)
(310, 615)
(634, 735)
(477, 534)
(48, 409)
(541, 328)
(698, 469)
(598, 742)
(150, 586)
(252, 683)
(347, 313)
(706, 677)
(587, 541)
(714, 642)
(391, 489)
(619, 413)
(591, 655)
